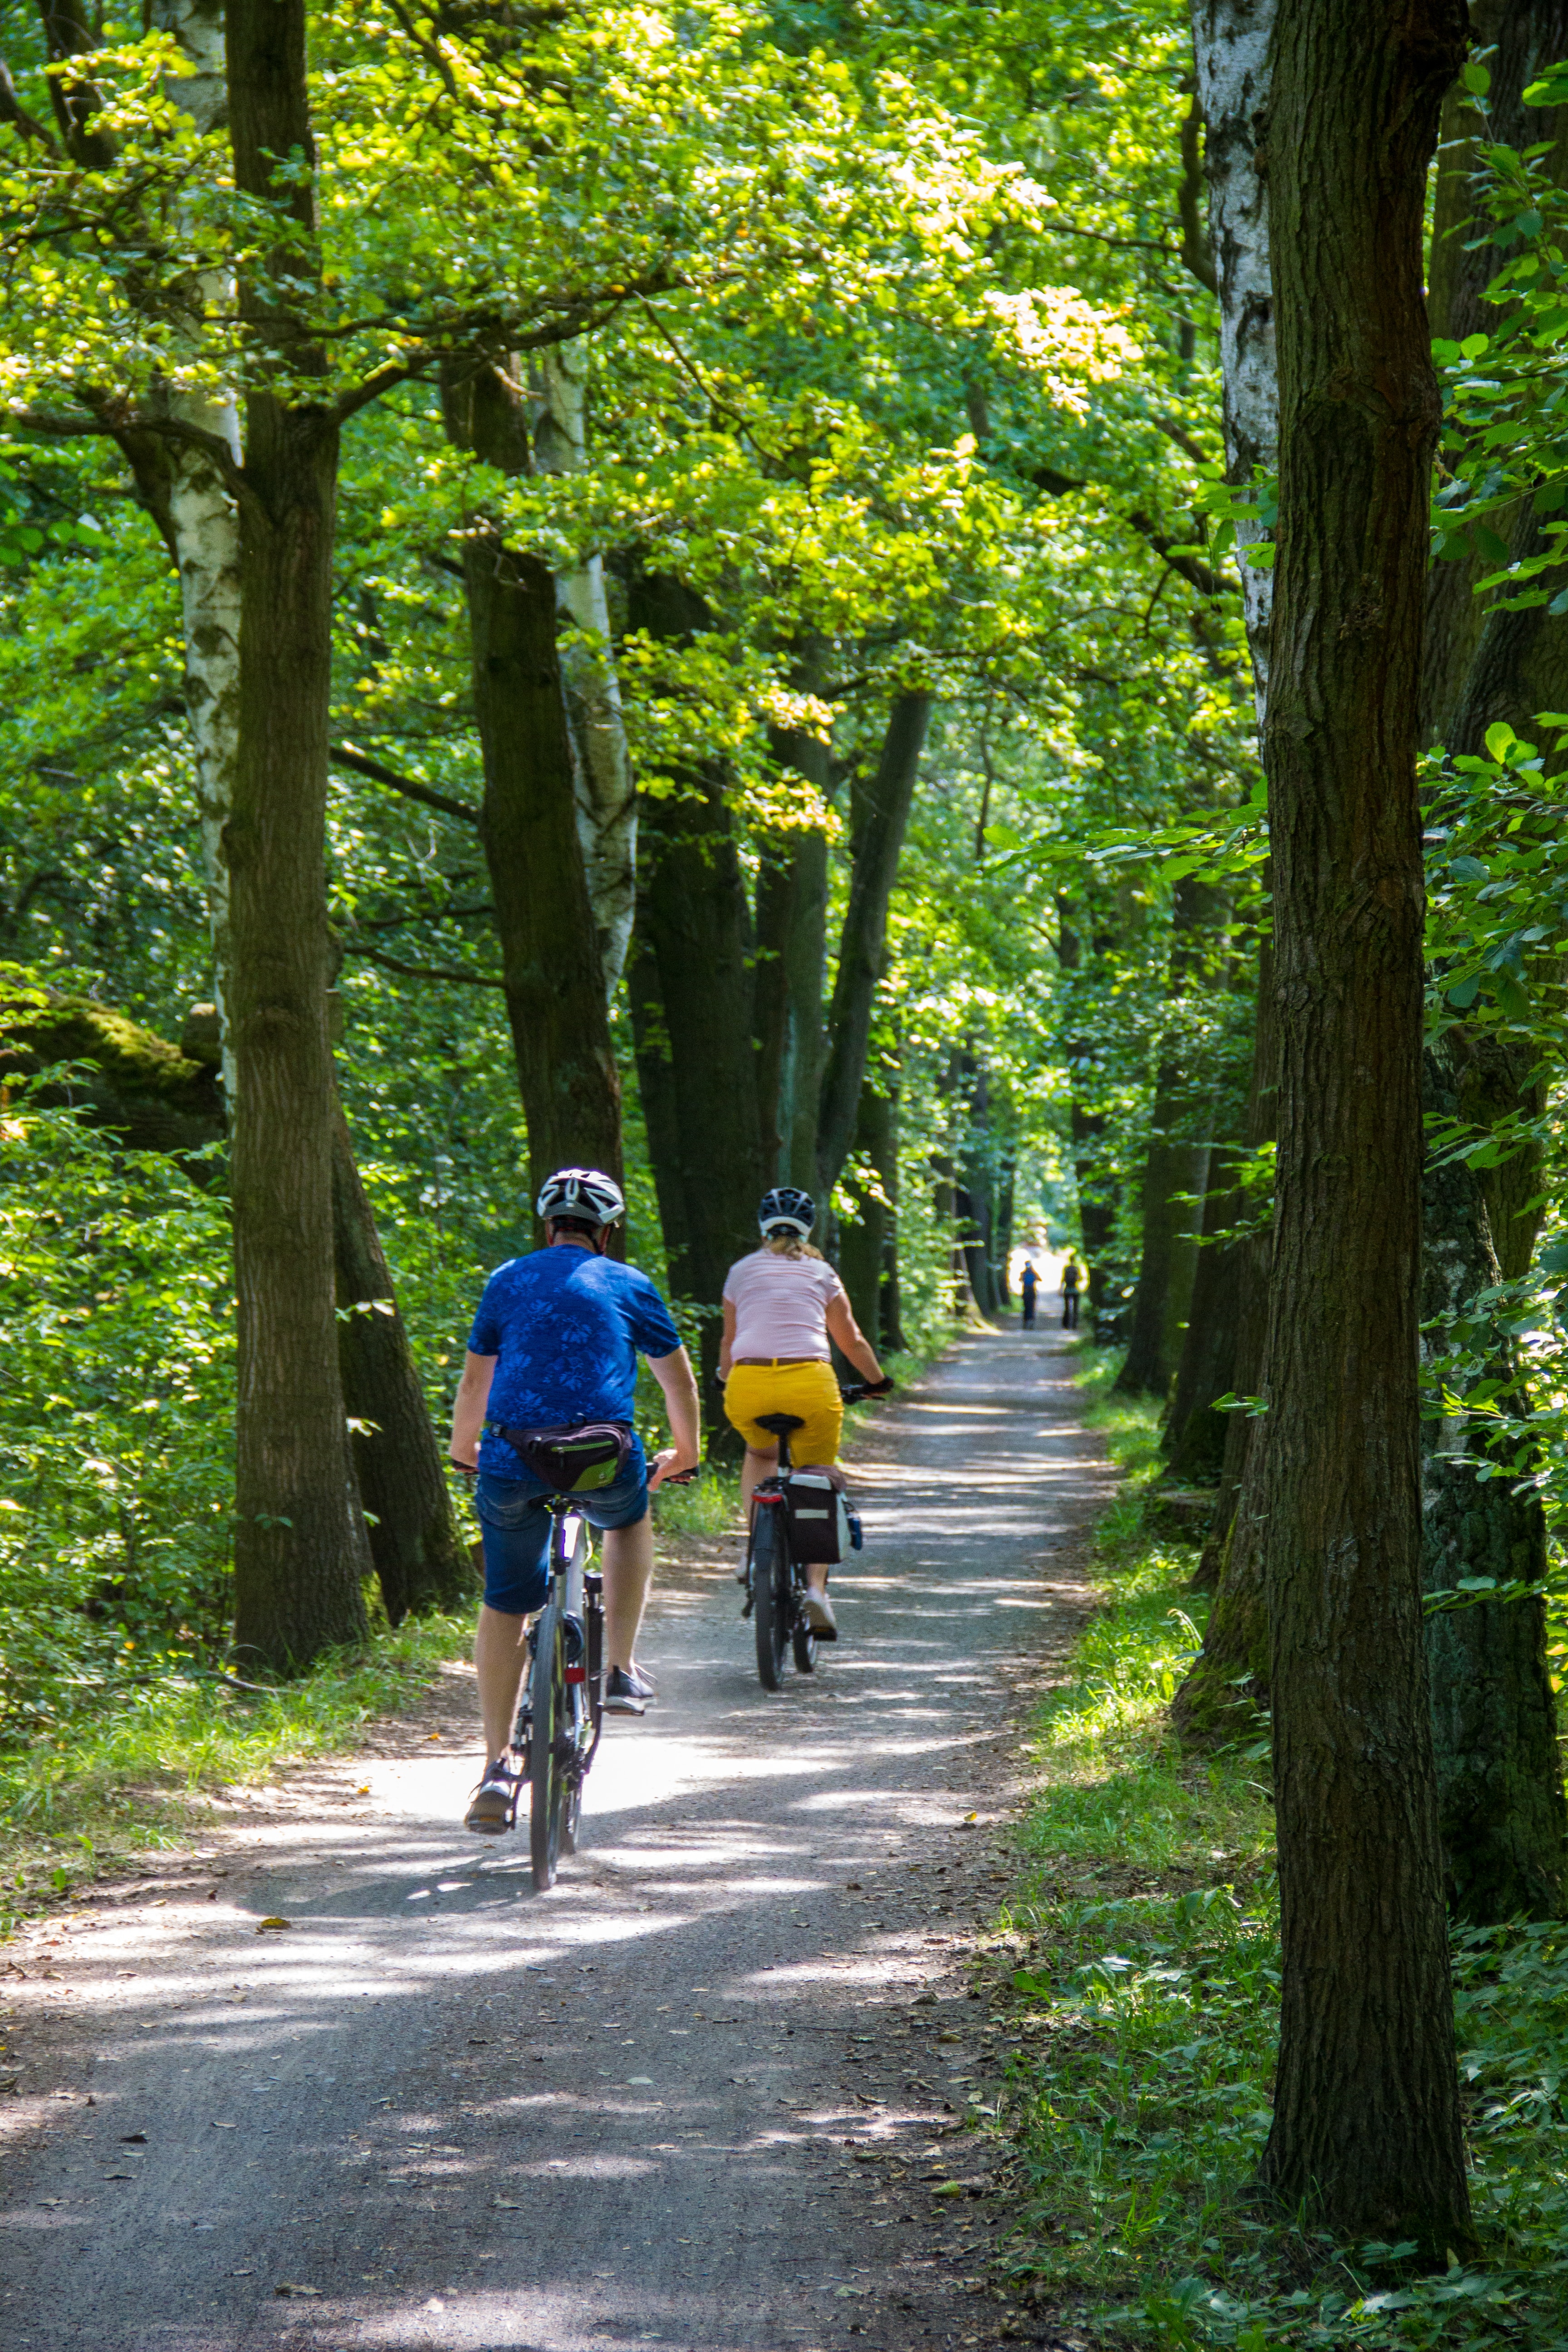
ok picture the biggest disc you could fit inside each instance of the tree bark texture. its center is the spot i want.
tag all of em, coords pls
(550, 955)
(1494, 1719)
(300, 1540)
(1231, 42)
(882, 817)
(421, 1560)
(605, 791)
(1366, 2132)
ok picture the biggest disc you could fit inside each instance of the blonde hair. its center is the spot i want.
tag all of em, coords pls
(788, 1246)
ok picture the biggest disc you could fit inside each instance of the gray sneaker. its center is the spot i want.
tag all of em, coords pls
(625, 1693)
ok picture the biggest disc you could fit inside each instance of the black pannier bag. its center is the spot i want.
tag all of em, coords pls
(574, 1457)
(822, 1527)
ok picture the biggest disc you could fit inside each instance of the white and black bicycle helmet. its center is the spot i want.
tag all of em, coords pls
(788, 1209)
(585, 1192)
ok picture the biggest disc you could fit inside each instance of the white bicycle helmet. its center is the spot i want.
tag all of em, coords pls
(787, 1206)
(585, 1192)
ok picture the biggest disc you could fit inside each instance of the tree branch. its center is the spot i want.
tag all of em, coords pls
(343, 755)
(423, 970)
(1202, 576)
(12, 111)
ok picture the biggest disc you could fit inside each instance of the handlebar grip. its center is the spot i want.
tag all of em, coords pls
(682, 1478)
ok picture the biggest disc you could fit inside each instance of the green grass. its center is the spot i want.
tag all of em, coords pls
(139, 1774)
(1141, 2000)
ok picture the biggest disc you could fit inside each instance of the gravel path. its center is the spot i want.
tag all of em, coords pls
(698, 2096)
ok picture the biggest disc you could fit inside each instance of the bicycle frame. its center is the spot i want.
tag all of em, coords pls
(560, 1709)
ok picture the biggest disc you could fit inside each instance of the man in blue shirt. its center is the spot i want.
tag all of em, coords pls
(555, 1341)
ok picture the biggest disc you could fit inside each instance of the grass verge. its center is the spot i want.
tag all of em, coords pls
(1141, 1995)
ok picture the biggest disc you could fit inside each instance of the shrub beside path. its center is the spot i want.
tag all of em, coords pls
(708, 2093)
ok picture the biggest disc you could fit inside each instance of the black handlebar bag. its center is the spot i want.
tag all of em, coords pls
(576, 1457)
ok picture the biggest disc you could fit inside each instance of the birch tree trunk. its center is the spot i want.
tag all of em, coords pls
(1231, 41)
(602, 769)
(1367, 2127)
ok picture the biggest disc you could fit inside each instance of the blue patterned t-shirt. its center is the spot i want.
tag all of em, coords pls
(567, 1327)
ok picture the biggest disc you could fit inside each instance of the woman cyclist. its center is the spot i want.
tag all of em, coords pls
(782, 1305)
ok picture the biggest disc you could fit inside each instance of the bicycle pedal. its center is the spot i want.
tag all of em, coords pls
(750, 1603)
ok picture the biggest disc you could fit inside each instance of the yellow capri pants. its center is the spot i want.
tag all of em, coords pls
(808, 1390)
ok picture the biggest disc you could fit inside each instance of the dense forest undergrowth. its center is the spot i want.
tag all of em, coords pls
(1136, 1970)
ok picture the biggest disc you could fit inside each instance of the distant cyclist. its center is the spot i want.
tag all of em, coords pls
(555, 1344)
(782, 1305)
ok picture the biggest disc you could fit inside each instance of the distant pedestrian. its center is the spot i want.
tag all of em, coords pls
(1071, 1284)
(1028, 1283)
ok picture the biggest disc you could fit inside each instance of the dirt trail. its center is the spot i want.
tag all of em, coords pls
(691, 2097)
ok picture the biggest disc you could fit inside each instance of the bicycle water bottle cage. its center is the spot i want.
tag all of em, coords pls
(779, 1424)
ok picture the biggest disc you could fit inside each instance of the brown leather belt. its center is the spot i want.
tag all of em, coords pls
(780, 1363)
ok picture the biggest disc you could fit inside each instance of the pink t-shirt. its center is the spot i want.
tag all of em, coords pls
(780, 1304)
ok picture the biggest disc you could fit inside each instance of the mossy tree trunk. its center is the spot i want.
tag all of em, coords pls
(1366, 2131)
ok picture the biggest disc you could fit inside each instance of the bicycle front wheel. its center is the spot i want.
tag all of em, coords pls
(550, 1787)
(770, 1591)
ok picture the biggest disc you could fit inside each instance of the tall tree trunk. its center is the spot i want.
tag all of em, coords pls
(1522, 36)
(971, 1199)
(882, 817)
(792, 924)
(421, 1560)
(1366, 2131)
(299, 1541)
(1094, 1179)
(550, 956)
(606, 792)
(692, 1004)
(692, 1000)
(1494, 1717)
(1195, 1434)
(865, 1239)
(1173, 1176)
(1228, 1680)
(1499, 1775)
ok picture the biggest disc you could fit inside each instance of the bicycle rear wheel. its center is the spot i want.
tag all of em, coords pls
(805, 1644)
(770, 1594)
(550, 1788)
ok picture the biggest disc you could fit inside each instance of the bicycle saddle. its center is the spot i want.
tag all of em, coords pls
(779, 1424)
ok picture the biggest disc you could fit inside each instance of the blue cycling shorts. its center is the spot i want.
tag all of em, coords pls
(515, 1526)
